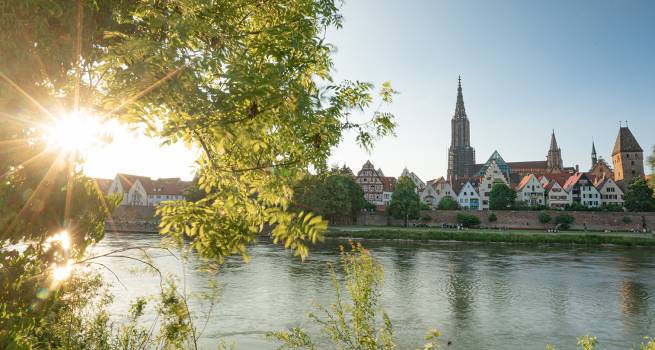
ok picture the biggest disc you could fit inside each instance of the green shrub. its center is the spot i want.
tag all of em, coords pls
(544, 218)
(468, 220)
(426, 218)
(447, 203)
(492, 217)
(627, 220)
(564, 221)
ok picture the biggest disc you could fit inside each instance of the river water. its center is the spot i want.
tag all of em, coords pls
(480, 296)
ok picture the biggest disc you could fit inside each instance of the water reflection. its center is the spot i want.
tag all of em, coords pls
(479, 296)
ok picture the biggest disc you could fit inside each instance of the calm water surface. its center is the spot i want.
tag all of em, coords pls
(479, 296)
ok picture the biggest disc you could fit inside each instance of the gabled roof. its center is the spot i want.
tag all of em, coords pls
(572, 180)
(103, 184)
(524, 181)
(500, 162)
(626, 142)
(561, 178)
(170, 186)
(127, 181)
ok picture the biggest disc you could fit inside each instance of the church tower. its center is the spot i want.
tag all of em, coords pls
(554, 161)
(628, 158)
(461, 156)
(594, 158)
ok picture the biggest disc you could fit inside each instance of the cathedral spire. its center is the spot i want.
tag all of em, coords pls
(554, 157)
(594, 159)
(553, 142)
(460, 111)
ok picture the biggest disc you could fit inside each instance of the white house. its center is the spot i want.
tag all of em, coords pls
(427, 193)
(582, 190)
(468, 197)
(556, 196)
(530, 191)
(492, 176)
(442, 188)
(143, 191)
(610, 192)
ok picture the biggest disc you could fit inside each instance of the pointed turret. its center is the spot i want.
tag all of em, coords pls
(627, 157)
(554, 158)
(594, 158)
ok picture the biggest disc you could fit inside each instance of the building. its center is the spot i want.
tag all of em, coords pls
(554, 161)
(610, 192)
(388, 186)
(556, 196)
(468, 197)
(442, 188)
(600, 171)
(530, 191)
(372, 184)
(627, 157)
(492, 176)
(461, 156)
(582, 190)
(144, 191)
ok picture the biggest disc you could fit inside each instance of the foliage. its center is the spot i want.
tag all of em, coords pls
(501, 197)
(587, 342)
(356, 325)
(405, 202)
(639, 196)
(468, 220)
(332, 195)
(626, 220)
(426, 218)
(564, 221)
(651, 160)
(246, 82)
(447, 203)
(544, 218)
(492, 217)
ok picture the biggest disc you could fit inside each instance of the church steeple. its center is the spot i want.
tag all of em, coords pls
(594, 158)
(460, 111)
(554, 158)
(461, 156)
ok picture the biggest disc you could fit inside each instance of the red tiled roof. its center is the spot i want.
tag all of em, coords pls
(561, 178)
(572, 180)
(170, 186)
(524, 181)
(388, 183)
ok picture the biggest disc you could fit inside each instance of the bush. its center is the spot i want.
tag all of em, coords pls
(492, 217)
(447, 203)
(544, 218)
(426, 218)
(627, 220)
(564, 221)
(468, 220)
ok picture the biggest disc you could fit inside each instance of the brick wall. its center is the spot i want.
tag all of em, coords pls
(525, 219)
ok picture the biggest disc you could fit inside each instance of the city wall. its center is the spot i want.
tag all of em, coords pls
(597, 221)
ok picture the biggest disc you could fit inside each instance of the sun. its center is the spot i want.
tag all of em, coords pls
(75, 133)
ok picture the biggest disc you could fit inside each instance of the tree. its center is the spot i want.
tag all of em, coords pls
(651, 160)
(564, 221)
(332, 195)
(543, 217)
(247, 82)
(447, 203)
(501, 197)
(405, 202)
(468, 220)
(639, 196)
(492, 217)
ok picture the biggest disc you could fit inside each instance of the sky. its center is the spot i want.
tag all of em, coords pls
(527, 67)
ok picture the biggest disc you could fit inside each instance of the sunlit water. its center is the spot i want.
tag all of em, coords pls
(480, 296)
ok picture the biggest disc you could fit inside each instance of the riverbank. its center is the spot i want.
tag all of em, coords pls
(482, 235)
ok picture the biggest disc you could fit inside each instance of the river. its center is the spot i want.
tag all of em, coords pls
(480, 296)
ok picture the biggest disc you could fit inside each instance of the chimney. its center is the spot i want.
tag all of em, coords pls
(577, 168)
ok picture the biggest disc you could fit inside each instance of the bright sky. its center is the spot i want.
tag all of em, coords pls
(527, 67)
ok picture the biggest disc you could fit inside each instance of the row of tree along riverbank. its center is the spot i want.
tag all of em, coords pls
(472, 235)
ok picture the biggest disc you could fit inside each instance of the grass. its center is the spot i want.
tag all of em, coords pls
(479, 235)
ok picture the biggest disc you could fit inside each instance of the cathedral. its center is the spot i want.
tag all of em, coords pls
(461, 156)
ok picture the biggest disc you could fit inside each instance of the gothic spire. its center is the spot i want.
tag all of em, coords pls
(460, 111)
(594, 159)
(553, 142)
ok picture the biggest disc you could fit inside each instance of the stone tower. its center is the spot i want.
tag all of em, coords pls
(461, 156)
(594, 158)
(554, 161)
(627, 157)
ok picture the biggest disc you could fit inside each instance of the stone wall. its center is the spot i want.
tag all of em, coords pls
(597, 221)
(134, 213)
